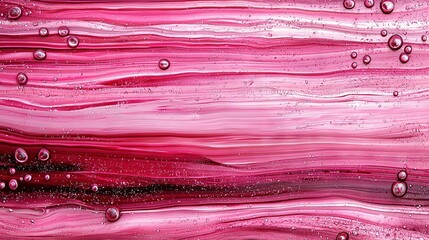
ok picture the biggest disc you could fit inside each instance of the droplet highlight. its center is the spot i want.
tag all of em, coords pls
(399, 189)
(395, 42)
(39, 54)
(113, 214)
(402, 175)
(94, 188)
(63, 31)
(13, 184)
(408, 49)
(342, 236)
(28, 177)
(383, 32)
(14, 13)
(73, 41)
(21, 155)
(164, 64)
(354, 65)
(12, 171)
(43, 155)
(349, 4)
(404, 58)
(369, 3)
(353, 54)
(366, 59)
(21, 78)
(387, 6)
(43, 32)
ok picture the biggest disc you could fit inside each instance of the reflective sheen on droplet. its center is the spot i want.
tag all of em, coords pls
(12, 171)
(342, 236)
(14, 13)
(28, 177)
(164, 64)
(369, 3)
(387, 6)
(21, 78)
(395, 42)
(399, 189)
(408, 49)
(402, 175)
(21, 155)
(113, 214)
(353, 54)
(404, 58)
(43, 155)
(366, 59)
(349, 4)
(63, 31)
(383, 32)
(13, 184)
(39, 54)
(43, 32)
(354, 64)
(73, 41)
(395, 93)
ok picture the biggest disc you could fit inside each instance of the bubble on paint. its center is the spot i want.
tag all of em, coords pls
(387, 6)
(21, 155)
(164, 64)
(349, 4)
(94, 188)
(113, 214)
(43, 32)
(47, 177)
(399, 189)
(28, 177)
(383, 32)
(68, 176)
(408, 49)
(366, 59)
(395, 42)
(14, 13)
(395, 93)
(12, 171)
(39, 54)
(73, 41)
(342, 236)
(13, 184)
(354, 64)
(369, 3)
(424, 38)
(404, 58)
(63, 31)
(353, 54)
(402, 175)
(21, 78)
(44, 155)
(2, 185)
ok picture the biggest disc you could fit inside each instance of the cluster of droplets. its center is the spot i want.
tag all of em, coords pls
(21, 156)
(399, 187)
(386, 6)
(366, 59)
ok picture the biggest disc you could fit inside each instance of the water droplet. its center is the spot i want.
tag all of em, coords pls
(395, 93)
(94, 188)
(399, 189)
(63, 31)
(43, 32)
(13, 184)
(402, 175)
(424, 38)
(369, 3)
(366, 59)
(21, 78)
(47, 177)
(404, 58)
(73, 41)
(68, 176)
(113, 214)
(14, 13)
(39, 54)
(387, 6)
(2, 185)
(342, 236)
(408, 49)
(354, 65)
(383, 32)
(12, 171)
(43, 155)
(21, 155)
(395, 42)
(28, 177)
(353, 54)
(349, 4)
(164, 64)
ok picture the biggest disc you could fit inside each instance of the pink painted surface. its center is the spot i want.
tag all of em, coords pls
(259, 127)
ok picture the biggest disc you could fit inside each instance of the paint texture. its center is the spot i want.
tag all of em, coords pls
(258, 123)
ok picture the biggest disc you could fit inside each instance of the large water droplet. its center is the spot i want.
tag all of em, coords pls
(402, 175)
(369, 3)
(387, 6)
(349, 4)
(342, 236)
(408, 49)
(13, 184)
(63, 31)
(21, 78)
(39, 54)
(43, 155)
(21, 155)
(164, 64)
(113, 214)
(43, 32)
(14, 13)
(73, 41)
(395, 42)
(366, 59)
(399, 189)
(404, 58)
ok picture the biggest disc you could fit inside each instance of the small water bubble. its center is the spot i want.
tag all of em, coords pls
(395, 42)
(73, 41)
(353, 54)
(21, 155)
(404, 58)
(369, 3)
(424, 38)
(68, 176)
(402, 175)
(43, 155)
(408, 49)
(387, 6)
(21, 78)
(12, 171)
(94, 188)
(366, 59)
(395, 93)
(28, 177)
(399, 189)
(43, 32)
(2, 185)
(354, 64)
(113, 214)
(349, 4)
(39, 54)
(47, 177)
(164, 64)
(342, 236)
(14, 13)
(383, 32)
(63, 31)
(13, 184)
